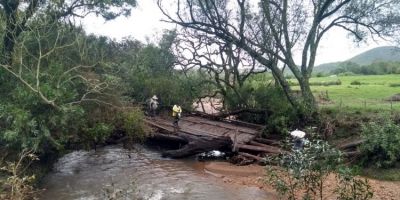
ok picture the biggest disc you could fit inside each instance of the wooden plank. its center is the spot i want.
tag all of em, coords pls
(352, 153)
(229, 125)
(247, 155)
(163, 124)
(169, 137)
(157, 125)
(245, 124)
(267, 141)
(351, 144)
(273, 150)
(259, 144)
(185, 129)
(235, 122)
(221, 125)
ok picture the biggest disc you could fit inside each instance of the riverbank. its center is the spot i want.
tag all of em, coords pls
(254, 176)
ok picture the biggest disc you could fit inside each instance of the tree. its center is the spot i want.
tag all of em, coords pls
(18, 14)
(273, 30)
(225, 66)
(35, 30)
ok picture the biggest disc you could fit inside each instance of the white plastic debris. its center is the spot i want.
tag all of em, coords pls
(298, 134)
(216, 153)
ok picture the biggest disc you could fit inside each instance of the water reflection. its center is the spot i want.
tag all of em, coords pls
(116, 173)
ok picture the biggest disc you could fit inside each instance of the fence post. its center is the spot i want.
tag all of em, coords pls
(391, 106)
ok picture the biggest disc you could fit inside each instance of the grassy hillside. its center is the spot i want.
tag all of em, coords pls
(379, 54)
(326, 68)
(376, 55)
(372, 93)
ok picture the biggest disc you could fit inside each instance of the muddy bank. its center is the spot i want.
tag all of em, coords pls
(254, 175)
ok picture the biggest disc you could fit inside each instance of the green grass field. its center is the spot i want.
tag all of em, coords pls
(372, 93)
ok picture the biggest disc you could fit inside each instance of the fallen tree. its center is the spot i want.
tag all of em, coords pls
(198, 144)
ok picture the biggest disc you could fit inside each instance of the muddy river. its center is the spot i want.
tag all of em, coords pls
(113, 172)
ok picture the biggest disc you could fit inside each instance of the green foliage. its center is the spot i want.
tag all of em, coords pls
(320, 74)
(281, 117)
(387, 174)
(376, 68)
(301, 174)
(322, 83)
(100, 132)
(133, 124)
(382, 142)
(304, 170)
(350, 188)
(355, 82)
(18, 182)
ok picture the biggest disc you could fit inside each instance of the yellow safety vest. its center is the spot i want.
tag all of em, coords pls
(176, 110)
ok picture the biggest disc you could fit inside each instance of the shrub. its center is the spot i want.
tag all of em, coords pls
(320, 83)
(320, 74)
(301, 174)
(347, 74)
(19, 184)
(99, 133)
(304, 170)
(134, 125)
(382, 142)
(280, 115)
(350, 188)
(355, 82)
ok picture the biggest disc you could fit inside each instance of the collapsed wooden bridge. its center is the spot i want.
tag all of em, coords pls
(198, 134)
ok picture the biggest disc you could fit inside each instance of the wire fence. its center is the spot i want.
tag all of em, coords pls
(362, 104)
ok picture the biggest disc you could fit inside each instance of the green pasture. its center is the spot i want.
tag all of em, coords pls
(373, 92)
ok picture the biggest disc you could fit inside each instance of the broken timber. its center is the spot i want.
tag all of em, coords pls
(199, 134)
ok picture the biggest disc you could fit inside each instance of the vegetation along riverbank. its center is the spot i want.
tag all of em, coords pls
(241, 75)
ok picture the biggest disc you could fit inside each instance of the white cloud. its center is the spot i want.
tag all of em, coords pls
(337, 46)
(145, 25)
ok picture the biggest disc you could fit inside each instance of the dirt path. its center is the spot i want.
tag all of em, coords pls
(254, 175)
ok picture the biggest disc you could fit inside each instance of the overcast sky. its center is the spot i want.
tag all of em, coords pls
(145, 25)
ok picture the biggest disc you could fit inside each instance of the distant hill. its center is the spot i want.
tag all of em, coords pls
(379, 54)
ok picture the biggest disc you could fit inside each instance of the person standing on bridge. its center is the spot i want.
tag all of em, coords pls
(176, 113)
(153, 105)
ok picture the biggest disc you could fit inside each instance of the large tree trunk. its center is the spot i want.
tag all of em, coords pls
(309, 108)
(198, 144)
(306, 107)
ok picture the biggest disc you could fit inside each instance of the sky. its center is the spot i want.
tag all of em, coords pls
(145, 25)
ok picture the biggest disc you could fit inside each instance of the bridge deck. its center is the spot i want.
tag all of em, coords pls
(199, 126)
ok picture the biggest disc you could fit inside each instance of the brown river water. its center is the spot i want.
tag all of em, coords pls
(113, 172)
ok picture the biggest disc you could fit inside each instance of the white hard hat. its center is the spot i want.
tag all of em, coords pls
(154, 97)
(298, 134)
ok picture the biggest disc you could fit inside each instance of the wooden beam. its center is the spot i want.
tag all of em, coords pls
(247, 155)
(351, 144)
(273, 150)
(352, 153)
(267, 141)
(168, 137)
